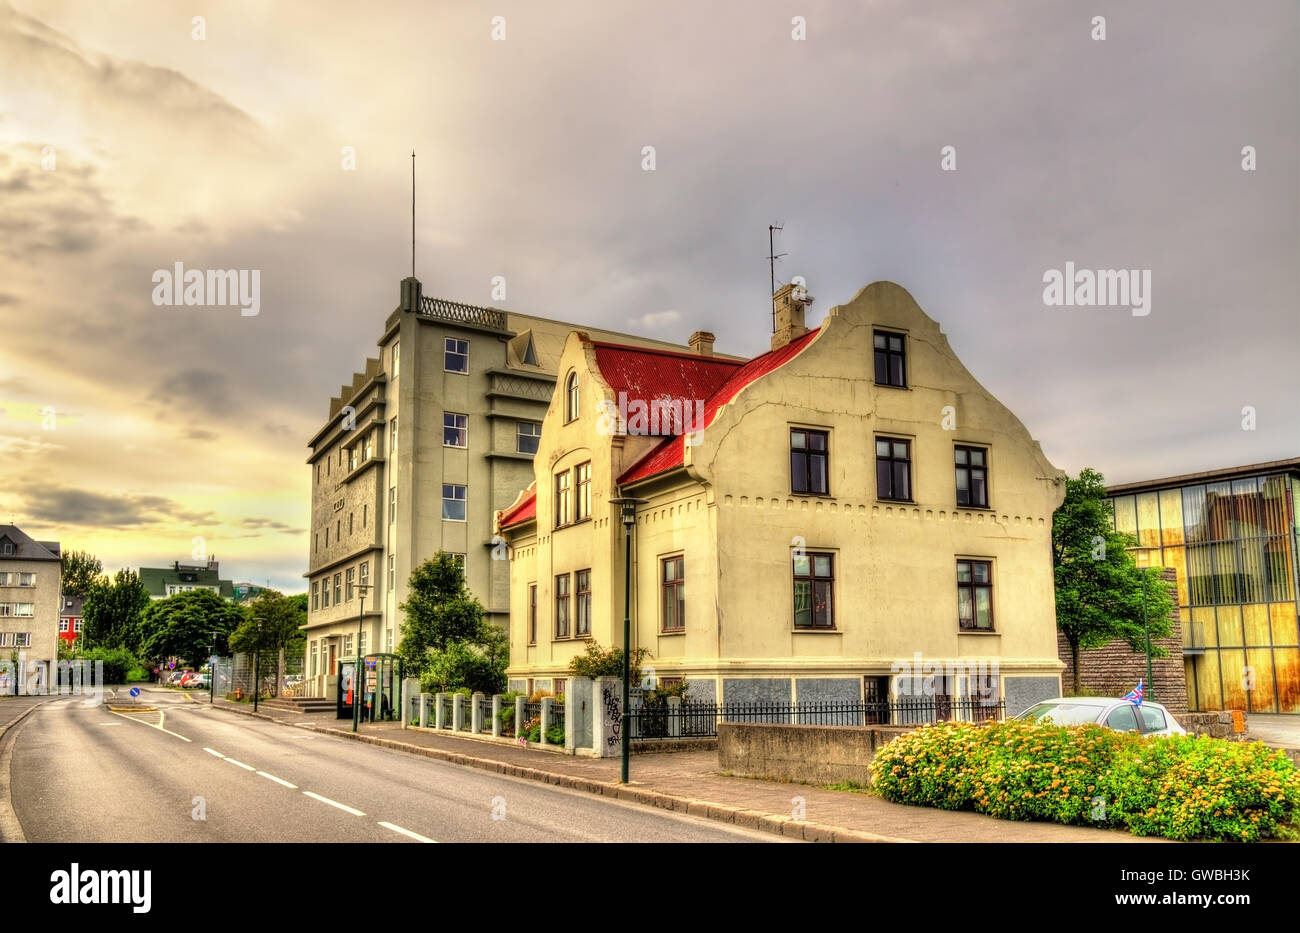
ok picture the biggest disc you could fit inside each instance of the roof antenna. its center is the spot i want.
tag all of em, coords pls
(412, 213)
(772, 257)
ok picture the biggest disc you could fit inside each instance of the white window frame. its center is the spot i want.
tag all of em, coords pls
(463, 499)
(451, 345)
(462, 429)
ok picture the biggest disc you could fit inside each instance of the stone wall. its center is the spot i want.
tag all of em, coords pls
(1217, 725)
(810, 754)
(1114, 669)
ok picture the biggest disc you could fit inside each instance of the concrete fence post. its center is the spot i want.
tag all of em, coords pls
(547, 704)
(496, 715)
(424, 710)
(457, 711)
(476, 713)
(521, 714)
(674, 717)
(439, 710)
(607, 700)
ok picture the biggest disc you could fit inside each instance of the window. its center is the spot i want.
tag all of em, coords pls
(315, 596)
(388, 639)
(453, 503)
(327, 537)
(397, 359)
(6, 579)
(527, 434)
(338, 531)
(7, 547)
(571, 397)
(1123, 719)
(325, 592)
(808, 468)
(532, 613)
(563, 499)
(76, 626)
(392, 436)
(673, 587)
(26, 579)
(314, 667)
(63, 625)
(347, 644)
(361, 642)
(338, 588)
(583, 591)
(351, 583)
(893, 469)
(458, 560)
(814, 590)
(392, 504)
(364, 575)
(23, 639)
(455, 357)
(365, 515)
(316, 541)
(562, 606)
(327, 466)
(350, 522)
(354, 457)
(1152, 719)
(318, 473)
(890, 362)
(392, 572)
(368, 446)
(583, 499)
(972, 477)
(454, 429)
(975, 595)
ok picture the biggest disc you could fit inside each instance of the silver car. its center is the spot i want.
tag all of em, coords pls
(1119, 715)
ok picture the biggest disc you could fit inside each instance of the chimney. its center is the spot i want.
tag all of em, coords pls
(702, 342)
(412, 292)
(789, 304)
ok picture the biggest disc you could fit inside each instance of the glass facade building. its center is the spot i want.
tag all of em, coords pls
(1232, 537)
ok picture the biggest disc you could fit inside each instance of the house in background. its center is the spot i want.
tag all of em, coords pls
(419, 451)
(31, 577)
(813, 522)
(70, 618)
(162, 582)
(1231, 537)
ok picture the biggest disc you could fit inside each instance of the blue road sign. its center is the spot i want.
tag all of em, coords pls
(171, 665)
(135, 691)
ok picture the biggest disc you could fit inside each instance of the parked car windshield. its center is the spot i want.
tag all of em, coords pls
(1063, 714)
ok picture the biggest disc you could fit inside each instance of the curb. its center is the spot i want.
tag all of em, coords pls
(807, 830)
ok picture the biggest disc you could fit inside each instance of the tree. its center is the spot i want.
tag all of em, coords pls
(80, 569)
(1101, 594)
(112, 611)
(440, 612)
(183, 626)
(282, 620)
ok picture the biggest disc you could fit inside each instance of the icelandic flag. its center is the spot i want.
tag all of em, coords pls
(1135, 694)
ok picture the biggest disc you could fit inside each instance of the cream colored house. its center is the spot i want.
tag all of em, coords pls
(846, 516)
(31, 583)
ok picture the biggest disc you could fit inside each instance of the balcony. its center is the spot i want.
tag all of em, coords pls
(453, 312)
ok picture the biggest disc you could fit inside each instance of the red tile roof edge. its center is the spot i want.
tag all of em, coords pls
(521, 512)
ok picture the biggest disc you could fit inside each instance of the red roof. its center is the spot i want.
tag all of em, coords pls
(651, 375)
(521, 512)
(669, 453)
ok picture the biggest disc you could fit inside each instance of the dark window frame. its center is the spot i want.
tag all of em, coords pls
(582, 492)
(563, 499)
(973, 585)
(886, 356)
(802, 460)
(970, 470)
(562, 607)
(677, 589)
(812, 578)
(582, 603)
(532, 613)
(892, 459)
(572, 397)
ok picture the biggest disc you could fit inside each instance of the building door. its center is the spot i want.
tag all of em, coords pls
(334, 648)
(875, 696)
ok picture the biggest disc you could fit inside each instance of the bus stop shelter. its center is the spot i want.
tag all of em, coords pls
(378, 688)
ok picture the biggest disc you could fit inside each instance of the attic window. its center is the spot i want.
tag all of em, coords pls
(530, 353)
(6, 546)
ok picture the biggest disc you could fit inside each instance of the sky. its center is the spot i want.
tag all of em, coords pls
(277, 138)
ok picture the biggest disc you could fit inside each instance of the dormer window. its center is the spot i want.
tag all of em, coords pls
(571, 398)
(6, 546)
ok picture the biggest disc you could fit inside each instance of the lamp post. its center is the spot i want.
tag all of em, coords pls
(356, 668)
(257, 663)
(627, 505)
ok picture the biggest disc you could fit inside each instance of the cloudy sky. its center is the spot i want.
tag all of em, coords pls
(132, 137)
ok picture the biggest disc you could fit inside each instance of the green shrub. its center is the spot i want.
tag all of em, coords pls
(1179, 787)
(606, 662)
(118, 663)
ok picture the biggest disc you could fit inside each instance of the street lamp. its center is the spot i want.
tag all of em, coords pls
(257, 663)
(356, 668)
(627, 505)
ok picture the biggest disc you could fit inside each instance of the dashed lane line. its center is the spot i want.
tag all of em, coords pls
(334, 803)
(280, 781)
(406, 832)
(239, 764)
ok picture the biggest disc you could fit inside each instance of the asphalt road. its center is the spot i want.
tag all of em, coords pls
(187, 772)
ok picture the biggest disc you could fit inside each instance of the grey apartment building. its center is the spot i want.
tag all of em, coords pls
(420, 449)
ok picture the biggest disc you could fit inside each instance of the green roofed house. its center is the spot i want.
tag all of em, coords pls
(162, 582)
(1231, 536)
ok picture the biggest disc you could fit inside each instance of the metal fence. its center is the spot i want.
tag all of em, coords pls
(694, 720)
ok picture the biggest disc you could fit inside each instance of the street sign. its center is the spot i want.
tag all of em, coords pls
(171, 665)
(135, 691)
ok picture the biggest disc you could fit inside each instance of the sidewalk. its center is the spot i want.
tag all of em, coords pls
(690, 782)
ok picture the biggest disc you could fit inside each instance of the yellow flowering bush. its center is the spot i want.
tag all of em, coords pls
(1180, 787)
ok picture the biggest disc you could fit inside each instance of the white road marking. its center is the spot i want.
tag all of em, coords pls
(272, 777)
(161, 719)
(240, 764)
(334, 803)
(109, 724)
(213, 751)
(406, 832)
(302, 736)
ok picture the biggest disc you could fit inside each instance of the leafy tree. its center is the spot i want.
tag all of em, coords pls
(440, 612)
(183, 625)
(1101, 594)
(464, 665)
(112, 612)
(282, 620)
(80, 569)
